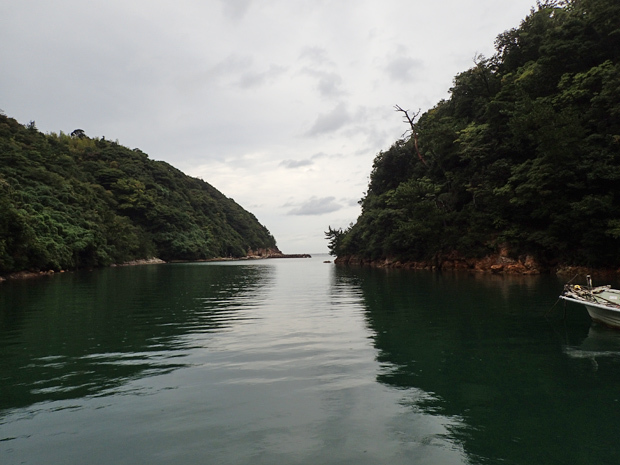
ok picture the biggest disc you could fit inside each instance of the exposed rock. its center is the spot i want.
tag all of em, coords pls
(274, 253)
(497, 268)
(500, 263)
(264, 253)
(27, 275)
(146, 261)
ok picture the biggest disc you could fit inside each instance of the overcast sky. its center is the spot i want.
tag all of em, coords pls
(282, 105)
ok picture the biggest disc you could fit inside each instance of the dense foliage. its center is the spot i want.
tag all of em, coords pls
(69, 201)
(525, 154)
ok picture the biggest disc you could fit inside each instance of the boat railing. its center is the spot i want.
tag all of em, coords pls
(593, 295)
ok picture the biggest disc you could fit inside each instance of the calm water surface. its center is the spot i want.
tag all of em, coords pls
(297, 361)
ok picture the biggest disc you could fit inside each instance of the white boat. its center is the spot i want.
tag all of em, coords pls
(602, 302)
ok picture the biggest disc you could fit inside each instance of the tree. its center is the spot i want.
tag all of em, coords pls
(78, 133)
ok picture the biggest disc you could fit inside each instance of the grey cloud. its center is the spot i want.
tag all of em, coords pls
(329, 84)
(242, 66)
(291, 164)
(254, 79)
(316, 55)
(231, 65)
(235, 9)
(318, 156)
(402, 68)
(330, 122)
(316, 206)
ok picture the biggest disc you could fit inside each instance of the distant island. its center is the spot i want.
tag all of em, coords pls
(519, 170)
(69, 201)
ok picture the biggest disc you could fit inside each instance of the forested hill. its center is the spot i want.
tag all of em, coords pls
(524, 156)
(70, 202)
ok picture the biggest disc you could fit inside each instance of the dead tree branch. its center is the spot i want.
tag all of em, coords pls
(414, 133)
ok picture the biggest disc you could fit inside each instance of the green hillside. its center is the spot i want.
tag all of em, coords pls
(70, 201)
(523, 156)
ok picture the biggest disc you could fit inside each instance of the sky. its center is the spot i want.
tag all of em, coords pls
(282, 105)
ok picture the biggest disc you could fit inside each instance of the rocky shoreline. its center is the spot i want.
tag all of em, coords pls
(500, 263)
(146, 261)
(272, 253)
(37, 274)
(238, 259)
(258, 255)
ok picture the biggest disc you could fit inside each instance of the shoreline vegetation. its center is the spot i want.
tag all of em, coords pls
(152, 261)
(72, 202)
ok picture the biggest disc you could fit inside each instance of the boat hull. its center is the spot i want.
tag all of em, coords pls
(606, 316)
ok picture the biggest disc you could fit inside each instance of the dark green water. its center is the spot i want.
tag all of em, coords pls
(300, 362)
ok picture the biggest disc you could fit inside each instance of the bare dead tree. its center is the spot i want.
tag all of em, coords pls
(414, 133)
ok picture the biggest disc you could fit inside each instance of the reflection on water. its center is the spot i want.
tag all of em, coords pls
(481, 353)
(83, 334)
(297, 361)
(601, 342)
